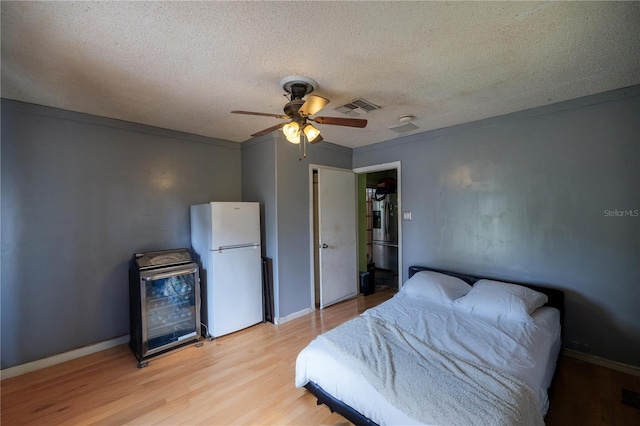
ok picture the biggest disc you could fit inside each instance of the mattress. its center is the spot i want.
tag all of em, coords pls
(527, 351)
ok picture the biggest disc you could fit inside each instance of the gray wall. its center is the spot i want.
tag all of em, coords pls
(259, 184)
(294, 244)
(273, 174)
(525, 197)
(520, 197)
(80, 195)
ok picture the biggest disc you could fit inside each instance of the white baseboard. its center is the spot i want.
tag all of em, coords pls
(294, 315)
(87, 350)
(613, 365)
(60, 358)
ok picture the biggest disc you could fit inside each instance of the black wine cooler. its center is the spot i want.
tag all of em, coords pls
(164, 289)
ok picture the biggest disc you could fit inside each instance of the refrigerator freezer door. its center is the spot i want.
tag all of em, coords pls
(234, 290)
(234, 224)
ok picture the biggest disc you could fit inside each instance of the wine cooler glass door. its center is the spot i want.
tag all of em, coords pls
(170, 308)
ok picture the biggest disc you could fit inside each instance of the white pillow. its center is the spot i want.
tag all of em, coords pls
(495, 299)
(435, 287)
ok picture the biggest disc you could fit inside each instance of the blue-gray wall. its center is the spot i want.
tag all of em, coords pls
(294, 245)
(273, 174)
(80, 195)
(522, 197)
(259, 184)
(532, 196)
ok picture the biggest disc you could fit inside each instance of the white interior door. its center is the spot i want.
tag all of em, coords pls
(337, 235)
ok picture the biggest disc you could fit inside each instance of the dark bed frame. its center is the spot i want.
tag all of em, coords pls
(556, 300)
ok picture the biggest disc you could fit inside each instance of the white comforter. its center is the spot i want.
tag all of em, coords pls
(524, 351)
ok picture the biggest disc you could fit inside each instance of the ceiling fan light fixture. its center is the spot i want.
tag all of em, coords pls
(299, 111)
(292, 132)
(311, 132)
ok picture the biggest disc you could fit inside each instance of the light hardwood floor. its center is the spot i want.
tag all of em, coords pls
(247, 378)
(585, 394)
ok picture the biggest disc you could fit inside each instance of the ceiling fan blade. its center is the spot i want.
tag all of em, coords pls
(264, 114)
(312, 105)
(337, 121)
(269, 130)
(317, 139)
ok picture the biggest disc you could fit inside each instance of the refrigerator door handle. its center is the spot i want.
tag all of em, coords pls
(387, 219)
(171, 274)
(237, 246)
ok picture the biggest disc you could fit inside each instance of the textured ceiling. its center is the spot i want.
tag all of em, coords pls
(185, 65)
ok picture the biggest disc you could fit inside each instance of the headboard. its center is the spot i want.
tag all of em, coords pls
(556, 296)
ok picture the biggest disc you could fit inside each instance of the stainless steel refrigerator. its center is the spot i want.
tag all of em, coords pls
(385, 233)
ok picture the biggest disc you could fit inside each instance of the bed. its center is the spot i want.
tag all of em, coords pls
(448, 348)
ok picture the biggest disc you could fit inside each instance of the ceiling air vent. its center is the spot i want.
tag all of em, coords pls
(357, 107)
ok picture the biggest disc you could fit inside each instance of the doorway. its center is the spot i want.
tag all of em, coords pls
(334, 236)
(379, 224)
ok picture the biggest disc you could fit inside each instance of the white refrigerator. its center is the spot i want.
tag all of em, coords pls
(226, 237)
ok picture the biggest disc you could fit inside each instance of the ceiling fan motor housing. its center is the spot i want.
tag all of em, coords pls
(291, 108)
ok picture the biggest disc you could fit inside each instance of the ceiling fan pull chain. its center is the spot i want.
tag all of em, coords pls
(302, 147)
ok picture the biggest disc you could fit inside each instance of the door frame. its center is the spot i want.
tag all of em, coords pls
(397, 165)
(312, 262)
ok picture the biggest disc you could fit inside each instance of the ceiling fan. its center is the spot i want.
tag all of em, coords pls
(299, 112)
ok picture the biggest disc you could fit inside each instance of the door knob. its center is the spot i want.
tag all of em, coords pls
(324, 246)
